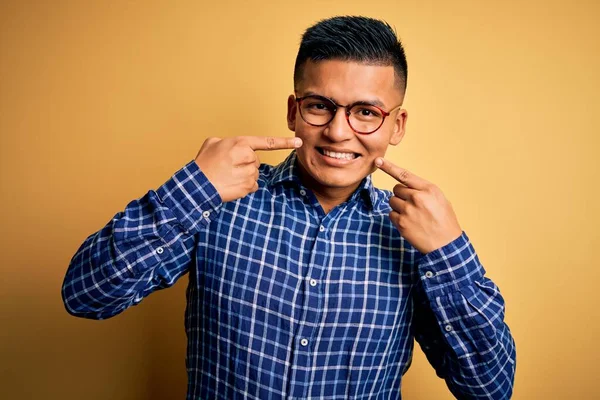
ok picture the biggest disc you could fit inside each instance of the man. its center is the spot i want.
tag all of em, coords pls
(305, 280)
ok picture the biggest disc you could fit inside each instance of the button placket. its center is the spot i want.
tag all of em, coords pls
(307, 337)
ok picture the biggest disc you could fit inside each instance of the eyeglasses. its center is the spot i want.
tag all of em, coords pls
(363, 117)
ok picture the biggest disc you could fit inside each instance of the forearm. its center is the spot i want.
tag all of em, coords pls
(146, 247)
(461, 324)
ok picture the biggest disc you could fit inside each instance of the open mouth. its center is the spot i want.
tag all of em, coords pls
(338, 155)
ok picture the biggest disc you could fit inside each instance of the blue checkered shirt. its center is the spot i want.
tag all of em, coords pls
(285, 301)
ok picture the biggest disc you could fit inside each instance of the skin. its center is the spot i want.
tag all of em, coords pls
(420, 211)
(231, 164)
(344, 82)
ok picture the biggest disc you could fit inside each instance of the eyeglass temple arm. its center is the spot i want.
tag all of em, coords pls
(387, 113)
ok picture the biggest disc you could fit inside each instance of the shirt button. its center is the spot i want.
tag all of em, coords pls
(302, 192)
(313, 282)
(448, 328)
(160, 250)
(304, 342)
(429, 274)
(321, 228)
(206, 214)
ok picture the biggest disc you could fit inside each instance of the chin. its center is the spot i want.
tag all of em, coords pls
(334, 177)
(338, 179)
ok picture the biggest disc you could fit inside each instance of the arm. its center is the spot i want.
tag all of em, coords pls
(146, 247)
(459, 314)
(150, 244)
(459, 324)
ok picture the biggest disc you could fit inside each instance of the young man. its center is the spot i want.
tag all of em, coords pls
(305, 280)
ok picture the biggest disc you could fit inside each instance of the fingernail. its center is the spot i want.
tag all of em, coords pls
(297, 142)
(378, 162)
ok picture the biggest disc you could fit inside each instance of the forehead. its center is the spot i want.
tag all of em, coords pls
(350, 81)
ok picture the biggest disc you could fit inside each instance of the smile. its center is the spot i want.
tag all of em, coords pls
(338, 155)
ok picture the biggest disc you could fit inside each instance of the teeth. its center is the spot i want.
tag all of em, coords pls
(341, 156)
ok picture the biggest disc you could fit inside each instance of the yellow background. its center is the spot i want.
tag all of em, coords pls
(102, 101)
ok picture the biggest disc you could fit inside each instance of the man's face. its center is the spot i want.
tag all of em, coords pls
(345, 83)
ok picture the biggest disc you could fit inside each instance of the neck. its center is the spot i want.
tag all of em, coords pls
(328, 197)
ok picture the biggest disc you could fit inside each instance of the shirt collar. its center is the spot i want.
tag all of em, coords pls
(287, 172)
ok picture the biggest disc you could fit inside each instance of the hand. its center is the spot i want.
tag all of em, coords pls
(421, 212)
(231, 164)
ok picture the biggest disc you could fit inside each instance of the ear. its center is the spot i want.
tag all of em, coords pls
(292, 105)
(399, 127)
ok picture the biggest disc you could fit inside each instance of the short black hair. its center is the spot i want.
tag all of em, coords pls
(353, 38)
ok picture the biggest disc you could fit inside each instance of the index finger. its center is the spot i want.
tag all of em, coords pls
(402, 175)
(272, 143)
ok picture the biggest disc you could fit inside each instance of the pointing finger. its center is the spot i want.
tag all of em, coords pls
(272, 143)
(401, 175)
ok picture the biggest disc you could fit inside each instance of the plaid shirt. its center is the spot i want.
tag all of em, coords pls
(285, 301)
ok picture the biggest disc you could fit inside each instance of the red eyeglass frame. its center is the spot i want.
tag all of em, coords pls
(384, 113)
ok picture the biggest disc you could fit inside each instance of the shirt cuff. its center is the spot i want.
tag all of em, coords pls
(450, 267)
(191, 197)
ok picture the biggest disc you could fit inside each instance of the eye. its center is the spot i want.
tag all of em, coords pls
(317, 106)
(366, 112)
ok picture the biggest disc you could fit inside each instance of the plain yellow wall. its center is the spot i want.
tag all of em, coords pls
(102, 101)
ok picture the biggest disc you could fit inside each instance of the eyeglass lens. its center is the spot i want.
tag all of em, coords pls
(319, 111)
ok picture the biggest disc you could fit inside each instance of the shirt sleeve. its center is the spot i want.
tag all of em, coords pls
(459, 324)
(146, 247)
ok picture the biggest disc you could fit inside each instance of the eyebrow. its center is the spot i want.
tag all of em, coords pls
(374, 102)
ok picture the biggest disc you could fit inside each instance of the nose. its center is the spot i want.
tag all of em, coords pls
(338, 130)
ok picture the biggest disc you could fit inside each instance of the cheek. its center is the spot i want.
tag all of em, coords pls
(308, 137)
(307, 143)
(375, 147)
(377, 143)
(302, 135)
